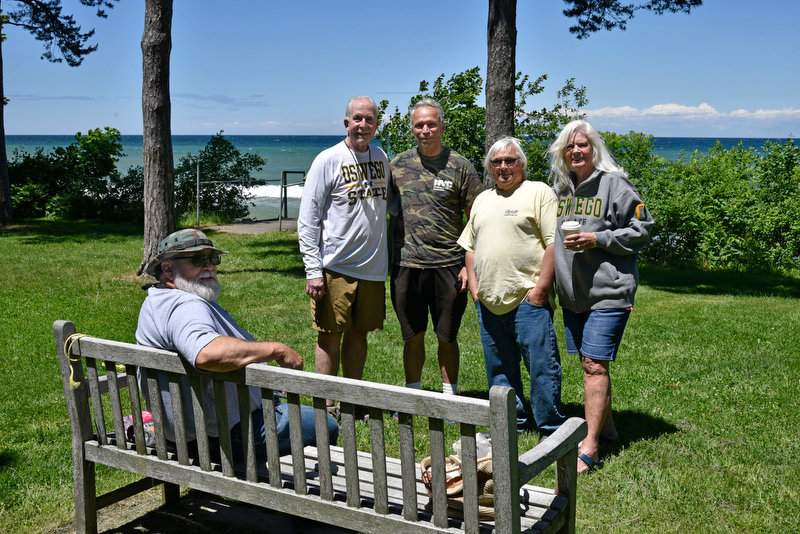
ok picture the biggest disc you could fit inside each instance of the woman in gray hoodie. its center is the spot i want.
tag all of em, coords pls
(595, 266)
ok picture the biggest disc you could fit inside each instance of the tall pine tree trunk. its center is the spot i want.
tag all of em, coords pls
(501, 69)
(6, 212)
(159, 173)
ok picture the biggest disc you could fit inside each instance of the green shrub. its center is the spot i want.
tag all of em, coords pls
(727, 210)
(225, 175)
(70, 182)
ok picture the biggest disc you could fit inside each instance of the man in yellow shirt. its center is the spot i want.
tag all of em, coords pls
(509, 260)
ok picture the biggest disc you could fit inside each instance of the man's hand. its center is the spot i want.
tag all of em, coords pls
(537, 297)
(463, 280)
(290, 358)
(315, 288)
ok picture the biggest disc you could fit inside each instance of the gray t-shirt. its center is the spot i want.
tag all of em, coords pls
(174, 320)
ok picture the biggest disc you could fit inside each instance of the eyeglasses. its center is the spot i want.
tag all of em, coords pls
(201, 259)
(508, 161)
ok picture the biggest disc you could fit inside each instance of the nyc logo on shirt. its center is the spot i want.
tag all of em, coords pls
(442, 185)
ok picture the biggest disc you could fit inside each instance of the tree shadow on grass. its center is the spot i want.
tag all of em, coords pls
(37, 231)
(720, 283)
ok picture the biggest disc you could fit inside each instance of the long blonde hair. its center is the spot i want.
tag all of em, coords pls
(601, 157)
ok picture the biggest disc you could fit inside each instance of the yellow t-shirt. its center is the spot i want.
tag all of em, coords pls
(508, 232)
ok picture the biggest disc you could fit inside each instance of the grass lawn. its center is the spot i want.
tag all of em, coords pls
(706, 386)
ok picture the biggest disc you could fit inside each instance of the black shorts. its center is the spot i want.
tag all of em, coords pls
(416, 291)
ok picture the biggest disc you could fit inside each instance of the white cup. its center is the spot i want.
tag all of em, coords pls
(570, 227)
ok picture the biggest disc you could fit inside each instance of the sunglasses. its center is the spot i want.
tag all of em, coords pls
(201, 259)
(508, 161)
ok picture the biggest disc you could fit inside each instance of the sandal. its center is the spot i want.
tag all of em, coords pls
(592, 464)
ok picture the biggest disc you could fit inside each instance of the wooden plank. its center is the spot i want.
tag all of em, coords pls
(221, 410)
(157, 409)
(378, 460)
(550, 449)
(93, 380)
(199, 385)
(350, 444)
(323, 448)
(136, 413)
(129, 354)
(178, 417)
(248, 431)
(115, 400)
(271, 429)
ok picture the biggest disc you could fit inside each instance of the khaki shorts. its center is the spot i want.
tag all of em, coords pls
(349, 303)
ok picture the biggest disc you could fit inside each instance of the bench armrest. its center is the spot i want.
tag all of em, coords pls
(551, 448)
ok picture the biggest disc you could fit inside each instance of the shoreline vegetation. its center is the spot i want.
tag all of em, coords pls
(706, 370)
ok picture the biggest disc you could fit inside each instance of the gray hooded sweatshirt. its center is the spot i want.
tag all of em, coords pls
(606, 276)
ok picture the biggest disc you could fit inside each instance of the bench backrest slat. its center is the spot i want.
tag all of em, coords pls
(198, 385)
(97, 405)
(438, 477)
(136, 410)
(296, 439)
(271, 430)
(323, 449)
(176, 396)
(248, 433)
(221, 409)
(378, 448)
(350, 445)
(157, 409)
(407, 465)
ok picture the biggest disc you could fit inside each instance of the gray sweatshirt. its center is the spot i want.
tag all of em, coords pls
(606, 276)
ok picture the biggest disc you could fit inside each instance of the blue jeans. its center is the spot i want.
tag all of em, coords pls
(282, 420)
(527, 333)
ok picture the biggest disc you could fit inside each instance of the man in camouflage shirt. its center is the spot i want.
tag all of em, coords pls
(432, 187)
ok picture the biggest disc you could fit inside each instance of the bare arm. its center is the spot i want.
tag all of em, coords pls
(472, 280)
(229, 353)
(539, 295)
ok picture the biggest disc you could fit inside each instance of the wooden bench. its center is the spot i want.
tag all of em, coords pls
(363, 491)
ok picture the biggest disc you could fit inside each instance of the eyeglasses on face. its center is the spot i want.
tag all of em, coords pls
(510, 162)
(201, 259)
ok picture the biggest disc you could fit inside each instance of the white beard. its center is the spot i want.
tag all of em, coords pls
(208, 290)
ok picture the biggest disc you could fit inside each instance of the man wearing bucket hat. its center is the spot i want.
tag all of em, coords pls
(180, 314)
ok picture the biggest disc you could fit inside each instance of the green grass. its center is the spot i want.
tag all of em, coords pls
(706, 386)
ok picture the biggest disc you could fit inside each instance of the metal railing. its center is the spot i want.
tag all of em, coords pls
(283, 209)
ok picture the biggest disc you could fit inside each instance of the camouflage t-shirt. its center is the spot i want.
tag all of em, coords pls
(433, 193)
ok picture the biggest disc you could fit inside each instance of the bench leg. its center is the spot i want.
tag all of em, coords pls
(85, 497)
(567, 486)
(171, 493)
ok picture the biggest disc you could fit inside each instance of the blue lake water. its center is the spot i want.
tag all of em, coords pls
(296, 152)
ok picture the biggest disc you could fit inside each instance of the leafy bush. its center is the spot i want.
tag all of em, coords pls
(727, 209)
(224, 177)
(70, 182)
(124, 199)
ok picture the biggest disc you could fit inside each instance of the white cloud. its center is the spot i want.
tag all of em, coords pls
(702, 121)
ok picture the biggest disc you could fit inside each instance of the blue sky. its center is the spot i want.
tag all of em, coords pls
(729, 69)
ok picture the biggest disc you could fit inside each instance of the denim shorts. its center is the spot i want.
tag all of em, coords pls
(595, 334)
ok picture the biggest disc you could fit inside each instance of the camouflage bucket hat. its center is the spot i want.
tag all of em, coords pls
(188, 240)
